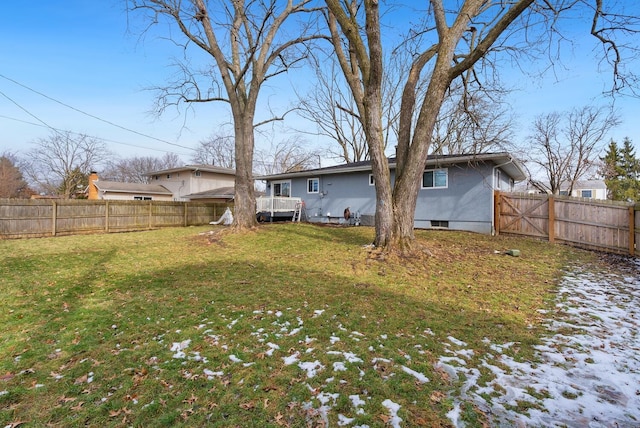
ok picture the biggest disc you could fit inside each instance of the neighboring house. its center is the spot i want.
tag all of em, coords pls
(100, 189)
(221, 194)
(593, 189)
(456, 191)
(193, 182)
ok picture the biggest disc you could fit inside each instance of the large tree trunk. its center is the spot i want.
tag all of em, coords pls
(374, 129)
(245, 198)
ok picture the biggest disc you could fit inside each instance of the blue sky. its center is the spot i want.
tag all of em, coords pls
(88, 55)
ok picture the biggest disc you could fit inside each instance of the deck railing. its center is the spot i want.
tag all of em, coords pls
(276, 204)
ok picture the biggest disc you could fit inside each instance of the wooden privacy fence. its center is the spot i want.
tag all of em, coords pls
(594, 224)
(26, 218)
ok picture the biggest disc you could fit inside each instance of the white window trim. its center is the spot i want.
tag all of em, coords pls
(273, 186)
(372, 181)
(446, 170)
(309, 180)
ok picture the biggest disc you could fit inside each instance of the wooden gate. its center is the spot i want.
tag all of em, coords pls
(587, 223)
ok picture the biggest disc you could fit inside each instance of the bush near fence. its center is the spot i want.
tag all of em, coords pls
(587, 223)
(30, 218)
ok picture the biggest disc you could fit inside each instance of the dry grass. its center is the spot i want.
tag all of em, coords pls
(91, 323)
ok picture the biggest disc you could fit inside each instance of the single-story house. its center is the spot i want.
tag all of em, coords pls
(187, 182)
(220, 194)
(456, 191)
(592, 189)
(100, 189)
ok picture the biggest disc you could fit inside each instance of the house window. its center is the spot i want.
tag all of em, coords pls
(282, 188)
(587, 194)
(372, 181)
(313, 185)
(435, 179)
(168, 176)
(142, 198)
(564, 193)
(440, 223)
(198, 173)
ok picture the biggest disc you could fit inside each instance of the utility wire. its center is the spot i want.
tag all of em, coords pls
(92, 136)
(45, 124)
(86, 114)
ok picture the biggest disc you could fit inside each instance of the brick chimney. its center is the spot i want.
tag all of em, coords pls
(93, 190)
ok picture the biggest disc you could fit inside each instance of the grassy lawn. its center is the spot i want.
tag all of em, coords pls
(292, 325)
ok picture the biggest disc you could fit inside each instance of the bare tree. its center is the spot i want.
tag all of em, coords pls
(247, 45)
(12, 182)
(567, 145)
(286, 156)
(335, 115)
(216, 150)
(134, 170)
(455, 41)
(473, 122)
(60, 163)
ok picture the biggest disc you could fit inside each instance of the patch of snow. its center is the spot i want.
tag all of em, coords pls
(588, 375)
(395, 420)
(291, 359)
(419, 376)
(234, 359)
(312, 368)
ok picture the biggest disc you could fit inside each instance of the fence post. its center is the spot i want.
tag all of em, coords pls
(106, 216)
(632, 230)
(54, 219)
(496, 212)
(150, 215)
(185, 214)
(552, 218)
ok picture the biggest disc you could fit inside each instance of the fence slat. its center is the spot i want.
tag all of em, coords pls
(603, 225)
(25, 218)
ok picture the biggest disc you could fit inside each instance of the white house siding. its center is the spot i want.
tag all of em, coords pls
(185, 182)
(132, 196)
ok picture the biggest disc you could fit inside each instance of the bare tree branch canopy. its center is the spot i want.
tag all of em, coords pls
(217, 150)
(12, 182)
(60, 163)
(134, 170)
(246, 44)
(566, 146)
(462, 41)
(288, 155)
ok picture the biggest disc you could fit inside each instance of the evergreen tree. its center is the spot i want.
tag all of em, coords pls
(621, 172)
(630, 167)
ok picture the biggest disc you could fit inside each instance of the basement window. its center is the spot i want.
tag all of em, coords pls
(440, 223)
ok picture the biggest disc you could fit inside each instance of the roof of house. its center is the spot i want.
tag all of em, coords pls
(587, 184)
(115, 186)
(204, 168)
(508, 163)
(219, 193)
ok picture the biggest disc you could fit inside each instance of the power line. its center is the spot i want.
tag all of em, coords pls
(86, 114)
(92, 136)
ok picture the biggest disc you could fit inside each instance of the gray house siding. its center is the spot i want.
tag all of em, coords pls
(465, 204)
(463, 199)
(335, 193)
